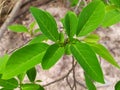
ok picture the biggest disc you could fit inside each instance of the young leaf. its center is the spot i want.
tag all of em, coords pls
(52, 55)
(90, 17)
(9, 84)
(108, 21)
(3, 61)
(31, 74)
(116, 2)
(18, 28)
(73, 2)
(92, 38)
(89, 83)
(24, 59)
(70, 24)
(32, 87)
(46, 23)
(117, 86)
(88, 60)
(21, 76)
(38, 39)
(104, 53)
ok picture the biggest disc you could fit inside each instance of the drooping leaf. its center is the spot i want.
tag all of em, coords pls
(90, 17)
(86, 57)
(38, 39)
(32, 74)
(74, 2)
(104, 53)
(46, 23)
(70, 24)
(3, 61)
(117, 86)
(92, 38)
(111, 17)
(89, 82)
(18, 28)
(9, 84)
(32, 87)
(24, 59)
(52, 55)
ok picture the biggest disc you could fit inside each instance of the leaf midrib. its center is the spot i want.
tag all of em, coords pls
(88, 19)
(86, 61)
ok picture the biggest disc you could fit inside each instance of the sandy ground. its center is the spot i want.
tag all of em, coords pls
(109, 37)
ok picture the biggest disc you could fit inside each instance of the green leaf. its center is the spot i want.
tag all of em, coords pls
(52, 55)
(116, 2)
(3, 61)
(9, 84)
(18, 28)
(89, 83)
(88, 60)
(21, 76)
(67, 49)
(117, 86)
(6, 89)
(38, 39)
(108, 21)
(70, 24)
(90, 17)
(32, 87)
(104, 53)
(46, 23)
(92, 38)
(32, 25)
(74, 2)
(32, 74)
(24, 59)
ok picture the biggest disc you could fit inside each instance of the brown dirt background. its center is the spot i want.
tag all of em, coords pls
(110, 37)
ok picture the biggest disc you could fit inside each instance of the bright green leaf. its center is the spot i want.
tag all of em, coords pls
(88, 60)
(32, 74)
(117, 86)
(52, 55)
(70, 24)
(32, 87)
(92, 38)
(90, 17)
(21, 76)
(3, 61)
(116, 2)
(74, 2)
(18, 28)
(89, 83)
(108, 21)
(38, 39)
(9, 84)
(46, 23)
(24, 59)
(104, 53)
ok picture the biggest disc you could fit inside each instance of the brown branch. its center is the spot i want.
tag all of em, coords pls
(11, 17)
(66, 76)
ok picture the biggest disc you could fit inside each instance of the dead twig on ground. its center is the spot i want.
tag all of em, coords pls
(11, 17)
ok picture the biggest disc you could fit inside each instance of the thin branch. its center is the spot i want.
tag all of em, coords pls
(11, 17)
(76, 8)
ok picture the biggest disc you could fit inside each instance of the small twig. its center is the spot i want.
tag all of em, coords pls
(74, 78)
(85, 3)
(11, 17)
(76, 8)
